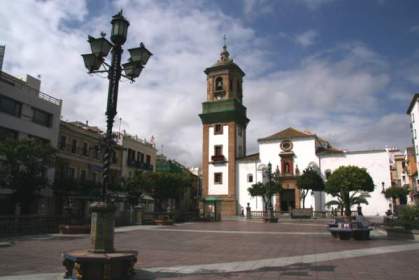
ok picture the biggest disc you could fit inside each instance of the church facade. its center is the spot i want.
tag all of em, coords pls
(228, 171)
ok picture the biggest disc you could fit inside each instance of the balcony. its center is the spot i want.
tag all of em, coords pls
(218, 158)
(140, 165)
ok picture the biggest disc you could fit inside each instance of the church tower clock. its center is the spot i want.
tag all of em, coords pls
(224, 123)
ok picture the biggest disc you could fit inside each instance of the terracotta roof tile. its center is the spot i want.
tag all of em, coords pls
(252, 157)
(288, 133)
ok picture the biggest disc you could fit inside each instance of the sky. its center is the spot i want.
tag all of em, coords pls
(345, 70)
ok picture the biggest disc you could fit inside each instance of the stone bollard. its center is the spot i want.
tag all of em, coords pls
(248, 211)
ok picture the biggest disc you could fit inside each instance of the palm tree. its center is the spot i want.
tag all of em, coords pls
(355, 198)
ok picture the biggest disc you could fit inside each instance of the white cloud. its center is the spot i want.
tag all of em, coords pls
(414, 28)
(307, 38)
(323, 93)
(252, 8)
(314, 4)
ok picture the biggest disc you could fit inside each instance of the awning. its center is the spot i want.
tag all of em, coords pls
(210, 199)
(146, 197)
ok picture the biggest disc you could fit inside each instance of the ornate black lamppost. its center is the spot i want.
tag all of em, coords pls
(102, 261)
(93, 61)
(269, 175)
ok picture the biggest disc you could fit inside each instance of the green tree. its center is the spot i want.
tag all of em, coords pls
(395, 192)
(348, 182)
(162, 186)
(268, 189)
(309, 180)
(23, 169)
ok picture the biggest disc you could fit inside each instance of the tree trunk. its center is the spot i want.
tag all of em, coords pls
(347, 204)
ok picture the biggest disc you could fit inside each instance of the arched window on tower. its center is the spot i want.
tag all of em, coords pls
(219, 84)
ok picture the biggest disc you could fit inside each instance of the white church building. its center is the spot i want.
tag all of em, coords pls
(228, 171)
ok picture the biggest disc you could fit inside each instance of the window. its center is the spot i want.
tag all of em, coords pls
(131, 155)
(10, 106)
(250, 178)
(62, 143)
(114, 158)
(83, 175)
(97, 150)
(327, 173)
(85, 149)
(41, 117)
(219, 84)
(94, 177)
(218, 150)
(72, 173)
(218, 178)
(6, 133)
(218, 129)
(74, 146)
(148, 159)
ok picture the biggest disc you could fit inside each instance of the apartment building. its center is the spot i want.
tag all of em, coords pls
(138, 154)
(26, 112)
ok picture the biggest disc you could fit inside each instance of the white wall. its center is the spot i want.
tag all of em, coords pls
(377, 165)
(414, 121)
(219, 139)
(304, 150)
(244, 169)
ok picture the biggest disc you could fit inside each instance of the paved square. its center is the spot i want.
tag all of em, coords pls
(227, 250)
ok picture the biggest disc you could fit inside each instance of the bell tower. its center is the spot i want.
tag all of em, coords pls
(224, 123)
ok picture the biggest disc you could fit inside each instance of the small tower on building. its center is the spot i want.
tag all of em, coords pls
(224, 123)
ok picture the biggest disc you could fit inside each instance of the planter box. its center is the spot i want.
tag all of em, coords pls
(361, 234)
(302, 213)
(163, 222)
(401, 233)
(348, 233)
(270, 220)
(74, 229)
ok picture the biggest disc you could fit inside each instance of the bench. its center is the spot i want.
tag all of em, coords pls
(302, 213)
(358, 230)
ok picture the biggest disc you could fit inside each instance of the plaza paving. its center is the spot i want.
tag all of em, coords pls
(227, 250)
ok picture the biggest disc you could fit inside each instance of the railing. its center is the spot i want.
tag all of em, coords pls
(261, 214)
(316, 214)
(139, 164)
(50, 99)
(176, 216)
(27, 225)
(13, 81)
(218, 158)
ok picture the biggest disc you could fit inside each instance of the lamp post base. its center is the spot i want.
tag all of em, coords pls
(101, 262)
(86, 265)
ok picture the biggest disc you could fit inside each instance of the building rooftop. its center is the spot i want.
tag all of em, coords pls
(251, 157)
(31, 85)
(287, 133)
(412, 103)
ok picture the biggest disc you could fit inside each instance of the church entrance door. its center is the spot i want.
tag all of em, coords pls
(287, 200)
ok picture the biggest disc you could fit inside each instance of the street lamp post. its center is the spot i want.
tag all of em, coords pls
(93, 61)
(102, 261)
(270, 208)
